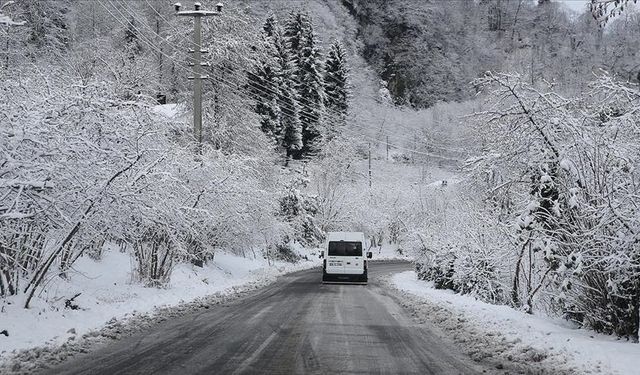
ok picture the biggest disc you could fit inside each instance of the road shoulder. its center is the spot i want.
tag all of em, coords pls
(482, 333)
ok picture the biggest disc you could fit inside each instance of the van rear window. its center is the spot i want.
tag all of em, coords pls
(345, 249)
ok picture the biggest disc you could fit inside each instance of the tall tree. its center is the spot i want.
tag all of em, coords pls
(289, 106)
(603, 10)
(336, 86)
(48, 23)
(263, 84)
(270, 26)
(294, 33)
(301, 42)
(272, 84)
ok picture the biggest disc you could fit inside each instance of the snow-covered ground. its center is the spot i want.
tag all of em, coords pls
(171, 110)
(387, 252)
(503, 335)
(109, 294)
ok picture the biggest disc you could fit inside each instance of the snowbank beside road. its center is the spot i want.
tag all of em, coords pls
(518, 337)
(107, 292)
(388, 252)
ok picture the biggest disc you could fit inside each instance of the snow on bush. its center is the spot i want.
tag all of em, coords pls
(80, 165)
(550, 220)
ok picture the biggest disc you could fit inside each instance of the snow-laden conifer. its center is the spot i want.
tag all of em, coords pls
(336, 86)
(302, 44)
(263, 82)
(276, 92)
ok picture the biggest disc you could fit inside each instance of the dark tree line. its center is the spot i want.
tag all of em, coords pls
(300, 97)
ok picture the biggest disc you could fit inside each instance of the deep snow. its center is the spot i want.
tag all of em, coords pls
(508, 335)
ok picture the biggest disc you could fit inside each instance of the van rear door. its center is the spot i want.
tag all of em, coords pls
(335, 264)
(345, 257)
(353, 265)
(353, 258)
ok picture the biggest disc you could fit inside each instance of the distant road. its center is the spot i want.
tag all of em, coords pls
(294, 326)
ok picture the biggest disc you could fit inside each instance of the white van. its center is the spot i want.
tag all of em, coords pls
(344, 258)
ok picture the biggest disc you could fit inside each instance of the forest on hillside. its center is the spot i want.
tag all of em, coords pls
(88, 158)
(430, 51)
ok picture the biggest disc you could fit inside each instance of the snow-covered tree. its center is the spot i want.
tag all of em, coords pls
(301, 42)
(264, 83)
(270, 26)
(568, 170)
(605, 10)
(48, 22)
(289, 106)
(272, 86)
(336, 86)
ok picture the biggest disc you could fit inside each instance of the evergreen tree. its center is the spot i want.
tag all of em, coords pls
(293, 35)
(290, 122)
(301, 43)
(48, 23)
(270, 25)
(132, 43)
(336, 86)
(272, 87)
(289, 106)
(264, 87)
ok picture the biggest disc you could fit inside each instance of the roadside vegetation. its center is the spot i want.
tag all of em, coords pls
(502, 156)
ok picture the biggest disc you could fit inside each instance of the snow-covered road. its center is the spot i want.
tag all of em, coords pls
(395, 324)
(296, 325)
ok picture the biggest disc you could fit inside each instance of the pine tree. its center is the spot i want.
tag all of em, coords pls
(272, 87)
(309, 82)
(263, 85)
(270, 26)
(132, 42)
(293, 35)
(289, 106)
(336, 86)
(290, 122)
(48, 23)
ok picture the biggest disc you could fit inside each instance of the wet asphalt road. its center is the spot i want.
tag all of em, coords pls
(294, 326)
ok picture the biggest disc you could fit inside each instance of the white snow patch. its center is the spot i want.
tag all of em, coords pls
(584, 350)
(108, 291)
(388, 252)
(170, 110)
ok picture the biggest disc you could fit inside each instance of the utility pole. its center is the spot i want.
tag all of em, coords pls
(6, 20)
(369, 165)
(197, 64)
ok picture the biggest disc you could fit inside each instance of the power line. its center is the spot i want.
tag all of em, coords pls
(293, 79)
(360, 135)
(263, 89)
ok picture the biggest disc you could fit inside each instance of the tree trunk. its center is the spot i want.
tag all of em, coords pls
(515, 293)
(636, 313)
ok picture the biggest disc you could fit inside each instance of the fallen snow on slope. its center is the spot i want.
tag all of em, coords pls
(508, 335)
(171, 110)
(109, 294)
